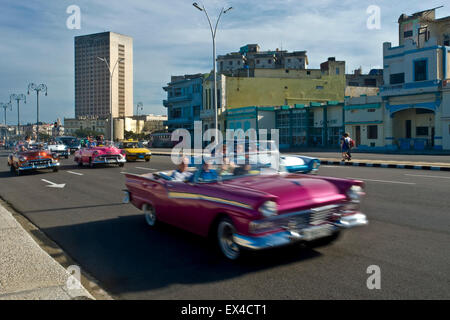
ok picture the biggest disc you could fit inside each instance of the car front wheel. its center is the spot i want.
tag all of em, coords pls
(149, 214)
(225, 232)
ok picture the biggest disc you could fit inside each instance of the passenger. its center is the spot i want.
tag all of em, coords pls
(181, 174)
(242, 170)
(227, 167)
(207, 173)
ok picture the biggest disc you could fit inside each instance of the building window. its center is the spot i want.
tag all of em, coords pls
(407, 34)
(370, 110)
(308, 72)
(257, 61)
(421, 131)
(319, 87)
(397, 78)
(269, 61)
(420, 70)
(230, 63)
(372, 132)
(337, 70)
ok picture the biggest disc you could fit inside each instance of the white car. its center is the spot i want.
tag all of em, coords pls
(58, 148)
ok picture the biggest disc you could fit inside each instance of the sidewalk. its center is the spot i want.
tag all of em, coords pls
(27, 272)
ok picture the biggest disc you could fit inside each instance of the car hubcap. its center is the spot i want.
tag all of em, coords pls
(150, 215)
(225, 234)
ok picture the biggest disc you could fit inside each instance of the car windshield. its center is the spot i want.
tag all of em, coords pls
(130, 145)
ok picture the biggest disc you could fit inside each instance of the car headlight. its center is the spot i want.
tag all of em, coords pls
(268, 209)
(315, 165)
(355, 192)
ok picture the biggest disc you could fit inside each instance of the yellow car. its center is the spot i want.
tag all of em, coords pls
(133, 151)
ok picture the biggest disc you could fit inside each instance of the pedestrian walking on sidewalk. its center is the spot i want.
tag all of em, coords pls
(346, 147)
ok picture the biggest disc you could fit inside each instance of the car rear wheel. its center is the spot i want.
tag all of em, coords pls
(121, 164)
(147, 160)
(91, 164)
(149, 214)
(225, 232)
(12, 169)
(55, 169)
(79, 162)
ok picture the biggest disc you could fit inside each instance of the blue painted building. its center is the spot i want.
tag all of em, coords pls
(413, 75)
(184, 101)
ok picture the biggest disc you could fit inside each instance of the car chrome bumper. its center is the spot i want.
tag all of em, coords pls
(287, 237)
(51, 165)
(97, 161)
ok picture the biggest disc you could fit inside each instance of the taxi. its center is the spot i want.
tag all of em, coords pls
(133, 151)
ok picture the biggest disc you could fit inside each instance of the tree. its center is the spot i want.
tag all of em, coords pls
(81, 133)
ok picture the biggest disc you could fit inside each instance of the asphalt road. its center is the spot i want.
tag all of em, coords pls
(408, 238)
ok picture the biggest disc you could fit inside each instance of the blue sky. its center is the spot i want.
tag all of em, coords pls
(171, 37)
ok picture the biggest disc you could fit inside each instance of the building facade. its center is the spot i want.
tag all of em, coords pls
(250, 57)
(414, 73)
(184, 101)
(92, 77)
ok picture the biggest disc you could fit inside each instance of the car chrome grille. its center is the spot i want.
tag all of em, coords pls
(44, 162)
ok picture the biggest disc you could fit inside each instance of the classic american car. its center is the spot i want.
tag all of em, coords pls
(33, 159)
(255, 209)
(107, 154)
(133, 151)
(56, 147)
(72, 143)
(298, 163)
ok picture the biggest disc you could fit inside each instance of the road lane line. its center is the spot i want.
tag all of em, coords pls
(76, 173)
(142, 168)
(384, 181)
(426, 176)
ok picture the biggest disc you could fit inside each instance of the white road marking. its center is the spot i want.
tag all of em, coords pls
(142, 168)
(54, 185)
(426, 176)
(76, 173)
(383, 181)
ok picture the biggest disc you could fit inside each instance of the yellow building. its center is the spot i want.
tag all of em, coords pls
(277, 87)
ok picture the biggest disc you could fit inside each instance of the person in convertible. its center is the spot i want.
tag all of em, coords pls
(181, 173)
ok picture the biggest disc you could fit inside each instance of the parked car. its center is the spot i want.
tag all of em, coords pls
(256, 209)
(33, 159)
(58, 148)
(135, 151)
(107, 154)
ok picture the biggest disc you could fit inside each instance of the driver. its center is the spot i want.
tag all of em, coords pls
(181, 174)
(207, 173)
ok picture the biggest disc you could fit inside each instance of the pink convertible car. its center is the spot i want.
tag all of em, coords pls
(92, 156)
(249, 208)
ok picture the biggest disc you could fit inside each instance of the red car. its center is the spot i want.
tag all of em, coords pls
(29, 160)
(251, 209)
(92, 156)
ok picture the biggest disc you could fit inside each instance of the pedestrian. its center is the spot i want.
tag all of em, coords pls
(346, 147)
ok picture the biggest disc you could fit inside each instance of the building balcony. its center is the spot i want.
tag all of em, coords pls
(410, 88)
(179, 98)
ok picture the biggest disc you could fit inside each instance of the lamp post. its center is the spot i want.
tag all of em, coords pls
(213, 34)
(111, 73)
(37, 88)
(5, 106)
(139, 106)
(18, 97)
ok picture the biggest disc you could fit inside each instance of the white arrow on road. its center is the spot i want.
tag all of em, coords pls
(54, 185)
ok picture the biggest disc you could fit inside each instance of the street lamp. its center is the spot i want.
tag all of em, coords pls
(37, 88)
(111, 73)
(139, 106)
(18, 97)
(5, 106)
(213, 34)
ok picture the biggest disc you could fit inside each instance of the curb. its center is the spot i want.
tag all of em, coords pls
(385, 165)
(364, 164)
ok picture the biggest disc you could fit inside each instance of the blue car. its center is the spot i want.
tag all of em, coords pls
(300, 164)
